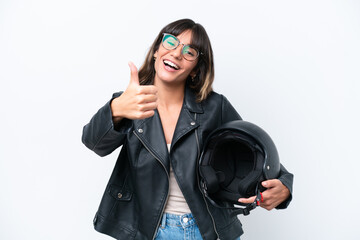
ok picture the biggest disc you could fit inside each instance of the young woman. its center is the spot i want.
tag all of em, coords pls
(161, 121)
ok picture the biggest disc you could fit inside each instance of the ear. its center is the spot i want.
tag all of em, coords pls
(155, 54)
(193, 73)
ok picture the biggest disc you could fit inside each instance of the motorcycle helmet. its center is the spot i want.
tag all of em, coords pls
(235, 159)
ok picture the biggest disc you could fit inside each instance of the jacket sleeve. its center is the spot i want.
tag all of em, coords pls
(100, 134)
(287, 179)
(229, 114)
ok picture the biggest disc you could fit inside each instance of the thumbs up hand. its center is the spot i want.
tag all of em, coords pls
(137, 102)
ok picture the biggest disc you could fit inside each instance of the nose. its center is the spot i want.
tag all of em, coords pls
(177, 52)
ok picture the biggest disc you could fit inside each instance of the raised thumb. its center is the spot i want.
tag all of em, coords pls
(134, 76)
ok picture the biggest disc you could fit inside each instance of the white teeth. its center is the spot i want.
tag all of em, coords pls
(171, 64)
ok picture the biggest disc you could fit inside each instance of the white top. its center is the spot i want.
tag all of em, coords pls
(176, 203)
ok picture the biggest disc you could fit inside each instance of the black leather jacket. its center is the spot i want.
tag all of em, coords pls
(135, 197)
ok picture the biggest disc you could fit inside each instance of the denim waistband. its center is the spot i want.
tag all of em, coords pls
(184, 220)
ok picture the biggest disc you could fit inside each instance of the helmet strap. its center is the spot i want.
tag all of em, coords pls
(238, 210)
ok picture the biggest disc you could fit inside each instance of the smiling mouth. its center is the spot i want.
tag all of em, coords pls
(171, 64)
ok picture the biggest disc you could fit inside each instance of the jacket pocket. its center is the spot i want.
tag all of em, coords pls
(120, 193)
(113, 196)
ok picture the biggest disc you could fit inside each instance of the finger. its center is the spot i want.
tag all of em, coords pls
(148, 98)
(146, 114)
(148, 106)
(270, 183)
(144, 98)
(247, 200)
(134, 76)
(149, 89)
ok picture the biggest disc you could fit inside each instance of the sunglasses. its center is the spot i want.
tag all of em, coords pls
(171, 42)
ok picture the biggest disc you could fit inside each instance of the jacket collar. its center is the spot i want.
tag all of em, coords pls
(190, 101)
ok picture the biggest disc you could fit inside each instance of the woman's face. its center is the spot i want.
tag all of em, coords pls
(170, 65)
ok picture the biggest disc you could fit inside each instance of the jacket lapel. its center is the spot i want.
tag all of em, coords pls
(150, 133)
(187, 121)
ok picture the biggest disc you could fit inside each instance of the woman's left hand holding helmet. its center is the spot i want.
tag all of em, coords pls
(273, 196)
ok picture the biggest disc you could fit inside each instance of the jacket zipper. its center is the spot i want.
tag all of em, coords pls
(167, 196)
(198, 180)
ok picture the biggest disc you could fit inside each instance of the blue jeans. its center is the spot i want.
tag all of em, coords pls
(178, 227)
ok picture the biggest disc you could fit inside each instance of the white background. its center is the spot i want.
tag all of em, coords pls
(291, 67)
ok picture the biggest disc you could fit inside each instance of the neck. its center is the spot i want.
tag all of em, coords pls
(170, 94)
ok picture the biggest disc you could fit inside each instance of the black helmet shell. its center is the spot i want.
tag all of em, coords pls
(235, 159)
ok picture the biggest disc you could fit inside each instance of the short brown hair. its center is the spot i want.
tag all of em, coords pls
(202, 83)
